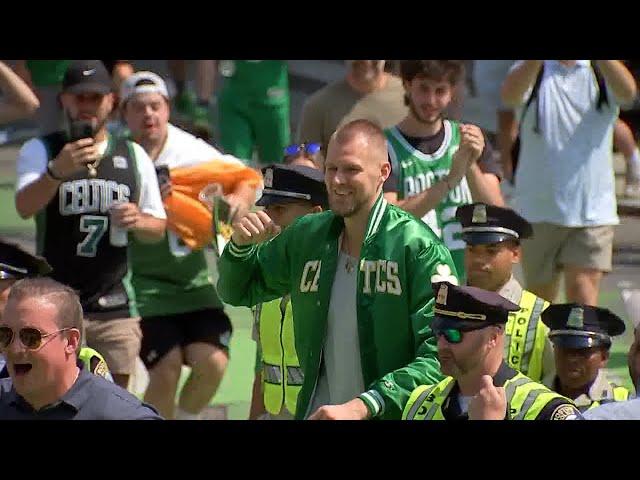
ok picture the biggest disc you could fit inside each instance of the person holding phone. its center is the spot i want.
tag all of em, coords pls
(72, 186)
(183, 320)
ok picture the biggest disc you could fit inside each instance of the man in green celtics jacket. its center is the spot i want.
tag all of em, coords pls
(359, 278)
(438, 164)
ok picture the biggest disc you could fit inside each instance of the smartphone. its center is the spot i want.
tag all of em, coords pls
(79, 129)
(164, 178)
(223, 211)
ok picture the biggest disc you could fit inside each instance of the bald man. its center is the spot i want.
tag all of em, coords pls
(359, 277)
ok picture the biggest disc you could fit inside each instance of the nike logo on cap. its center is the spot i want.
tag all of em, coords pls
(86, 73)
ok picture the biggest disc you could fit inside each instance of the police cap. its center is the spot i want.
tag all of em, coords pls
(17, 263)
(470, 305)
(484, 224)
(293, 183)
(581, 326)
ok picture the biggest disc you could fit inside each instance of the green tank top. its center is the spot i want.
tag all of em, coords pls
(45, 73)
(261, 81)
(169, 278)
(417, 171)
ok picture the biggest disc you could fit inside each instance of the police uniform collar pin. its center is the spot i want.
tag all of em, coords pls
(479, 214)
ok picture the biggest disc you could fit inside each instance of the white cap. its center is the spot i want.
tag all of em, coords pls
(153, 83)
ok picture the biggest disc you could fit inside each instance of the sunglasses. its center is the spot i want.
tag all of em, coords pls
(308, 148)
(30, 337)
(443, 328)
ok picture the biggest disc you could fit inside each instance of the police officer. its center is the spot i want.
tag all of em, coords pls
(469, 324)
(493, 236)
(581, 337)
(290, 192)
(15, 264)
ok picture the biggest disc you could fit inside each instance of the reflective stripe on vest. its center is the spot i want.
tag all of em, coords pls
(620, 394)
(525, 336)
(525, 399)
(277, 343)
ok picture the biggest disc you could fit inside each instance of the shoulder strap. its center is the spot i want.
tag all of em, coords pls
(603, 96)
(532, 97)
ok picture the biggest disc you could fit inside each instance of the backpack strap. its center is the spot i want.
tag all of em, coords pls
(603, 96)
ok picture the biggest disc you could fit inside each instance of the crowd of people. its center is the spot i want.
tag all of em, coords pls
(377, 253)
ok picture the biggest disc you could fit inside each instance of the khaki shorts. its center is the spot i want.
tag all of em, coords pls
(553, 246)
(117, 340)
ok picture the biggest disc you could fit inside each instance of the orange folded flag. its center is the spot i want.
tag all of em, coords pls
(187, 215)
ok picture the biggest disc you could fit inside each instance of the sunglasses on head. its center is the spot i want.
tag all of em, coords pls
(30, 337)
(453, 333)
(296, 148)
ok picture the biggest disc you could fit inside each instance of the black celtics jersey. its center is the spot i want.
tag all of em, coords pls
(73, 230)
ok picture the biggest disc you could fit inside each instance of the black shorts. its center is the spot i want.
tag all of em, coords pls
(160, 334)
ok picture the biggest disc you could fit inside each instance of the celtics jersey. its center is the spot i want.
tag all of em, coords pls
(74, 233)
(417, 171)
(169, 278)
(261, 81)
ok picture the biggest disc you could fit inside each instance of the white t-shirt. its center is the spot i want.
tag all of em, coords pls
(565, 174)
(32, 163)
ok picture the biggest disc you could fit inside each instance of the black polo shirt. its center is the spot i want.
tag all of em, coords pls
(90, 398)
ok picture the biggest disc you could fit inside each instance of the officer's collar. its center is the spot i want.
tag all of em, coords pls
(599, 390)
(75, 397)
(512, 290)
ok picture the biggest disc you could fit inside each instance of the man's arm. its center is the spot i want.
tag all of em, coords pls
(389, 395)
(35, 185)
(148, 220)
(254, 266)
(519, 80)
(484, 176)
(619, 80)
(19, 101)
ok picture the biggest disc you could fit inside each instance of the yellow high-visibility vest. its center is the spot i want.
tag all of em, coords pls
(525, 399)
(282, 376)
(525, 336)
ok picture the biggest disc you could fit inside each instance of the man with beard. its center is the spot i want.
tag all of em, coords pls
(89, 191)
(356, 275)
(438, 164)
(469, 324)
(493, 235)
(581, 337)
(366, 92)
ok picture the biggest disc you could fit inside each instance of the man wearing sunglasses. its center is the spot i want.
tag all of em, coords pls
(581, 336)
(470, 324)
(40, 335)
(493, 236)
(358, 279)
(16, 264)
(290, 192)
(306, 153)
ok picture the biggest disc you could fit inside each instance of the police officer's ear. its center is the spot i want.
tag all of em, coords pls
(495, 333)
(73, 341)
(516, 250)
(604, 357)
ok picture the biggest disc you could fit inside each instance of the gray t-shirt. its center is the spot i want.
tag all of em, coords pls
(340, 378)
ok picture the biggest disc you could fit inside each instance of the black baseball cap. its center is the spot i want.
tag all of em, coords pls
(87, 76)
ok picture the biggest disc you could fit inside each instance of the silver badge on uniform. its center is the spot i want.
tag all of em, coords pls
(120, 162)
(268, 178)
(479, 214)
(442, 295)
